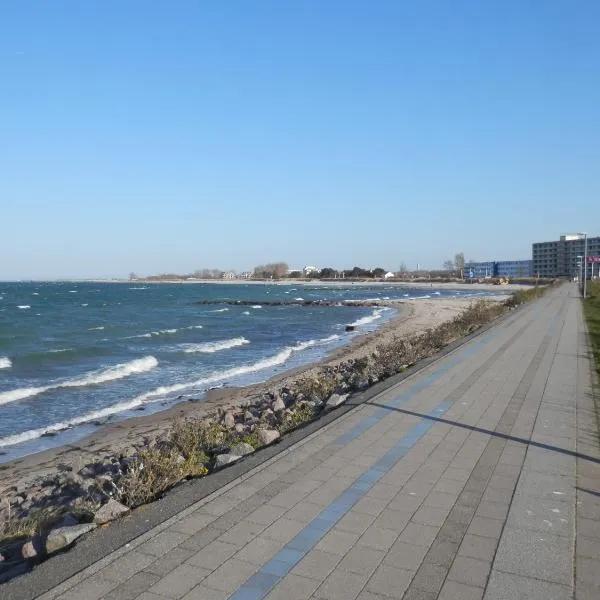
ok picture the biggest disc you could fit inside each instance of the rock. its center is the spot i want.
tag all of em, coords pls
(248, 416)
(64, 536)
(229, 421)
(336, 400)
(68, 520)
(33, 548)
(110, 511)
(278, 404)
(267, 436)
(350, 327)
(239, 427)
(225, 459)
(242, 449)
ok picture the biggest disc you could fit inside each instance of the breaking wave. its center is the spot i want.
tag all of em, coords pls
(23, 306)
(134, 367)
(374, 316)
(210, 347)
(5, 362)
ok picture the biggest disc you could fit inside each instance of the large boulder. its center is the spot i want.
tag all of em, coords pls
(33, 548)
(229, 421)
(64, 536)
(278, 404)
(110, 511)
(225, 459)
(242, 449)
(267, 436)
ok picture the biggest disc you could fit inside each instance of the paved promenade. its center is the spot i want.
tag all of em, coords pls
(477, 477)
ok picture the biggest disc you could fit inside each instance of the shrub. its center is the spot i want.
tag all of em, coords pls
(316, 388)
(301, 414)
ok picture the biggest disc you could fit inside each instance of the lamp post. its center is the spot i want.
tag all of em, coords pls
(584, 234)
(580, 267)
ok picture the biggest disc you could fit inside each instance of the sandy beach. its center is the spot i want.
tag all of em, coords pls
(114, 439)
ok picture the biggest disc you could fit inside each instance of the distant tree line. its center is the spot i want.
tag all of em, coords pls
(271, 271)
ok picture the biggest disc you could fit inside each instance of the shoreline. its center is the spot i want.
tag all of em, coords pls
(118, 438)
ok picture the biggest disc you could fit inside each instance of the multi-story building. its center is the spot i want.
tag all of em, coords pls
(499, 268)
(561, 258)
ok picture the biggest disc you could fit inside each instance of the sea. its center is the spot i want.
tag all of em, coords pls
(74, 356)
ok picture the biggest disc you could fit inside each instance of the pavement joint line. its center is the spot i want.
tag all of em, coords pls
(257, 586)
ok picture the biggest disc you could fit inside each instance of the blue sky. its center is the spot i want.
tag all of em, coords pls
(169, 136)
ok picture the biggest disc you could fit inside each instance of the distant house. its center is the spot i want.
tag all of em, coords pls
(228, 275)
(246, 275)
(310, 269)
(389, 274)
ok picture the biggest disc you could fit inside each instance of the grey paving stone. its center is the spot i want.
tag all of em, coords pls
(389, 581)
(93, 588)
(428, 515)
(370, 506)
(507, 586)
(453, 590)
(486, 527)
(283, 530)
(133, 587)
(317, 565)
(588, 572)
(380, 539)
(588, 547)
(355, 522)
(179, 581)
(162, 543)
(201, 592)
(394, 520)
(421, 535)
(230, 575)
(493, 510)
(341, 585)
(361, 560)
(242, 533)
(126, 566)
(442, 552)
(430, 578)
(201, 539)
(259, 551)
(193, 523)
(337, 542)
(294, 587)
(470, 571)
(213, 555)
(475, 546)
(169, 561)
(532, 554)
(440, 500)
(266, 514)
(149, 596)
(405, 556)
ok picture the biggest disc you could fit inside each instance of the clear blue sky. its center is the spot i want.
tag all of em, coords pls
(169, 136)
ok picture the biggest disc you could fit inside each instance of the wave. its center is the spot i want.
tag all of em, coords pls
(219, 310)
(86, 304)
(5, 362)
(23, 306)
(154, 333)
(246, 312)
(210, 347)
(257, 306)
(96, 328)
(138, 288)
(299, 299)
(60, 350)
(72, 291)
(376, 314)
(134, 367)
(35, 294)
(266, 363)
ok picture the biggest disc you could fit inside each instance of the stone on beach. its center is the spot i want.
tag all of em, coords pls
(336, 400)
(267, 436)
(225, 459)
(64, 536)
(110, 511)
(229, 421)
(33, 548)
(278, 404)
(242, 449)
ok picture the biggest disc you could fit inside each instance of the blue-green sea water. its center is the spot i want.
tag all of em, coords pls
(76, 355)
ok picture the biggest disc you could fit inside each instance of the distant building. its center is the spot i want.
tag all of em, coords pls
(228, 275)
(309, 269)
(246, 275)
(560, 258)
(389, 275)
(512, 269)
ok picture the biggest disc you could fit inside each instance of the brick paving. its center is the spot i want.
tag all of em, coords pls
(477, 477)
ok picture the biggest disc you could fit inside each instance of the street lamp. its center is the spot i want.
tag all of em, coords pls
(584, 262)
(580, 266)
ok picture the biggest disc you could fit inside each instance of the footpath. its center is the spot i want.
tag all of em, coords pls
(476, 477)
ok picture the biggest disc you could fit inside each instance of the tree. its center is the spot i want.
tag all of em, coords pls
(295, 275)
(271, 270)
(379, 272)
(448, 265)
(402, 268)
(328, 273)
(459, 261)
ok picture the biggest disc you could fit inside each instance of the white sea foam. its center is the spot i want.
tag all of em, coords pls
(35, 294)
(299, 299)
(257, 306)
(210, 347)
(72, 291)
(86, 304)
(310, 343)
(246, 312)
(96, 328)
(60, 350)
(219, 310)
(376, 314)
(5, 362)
(134, 367)
(23, 306)
(138, 288)
(152, 334)
(194, 327)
